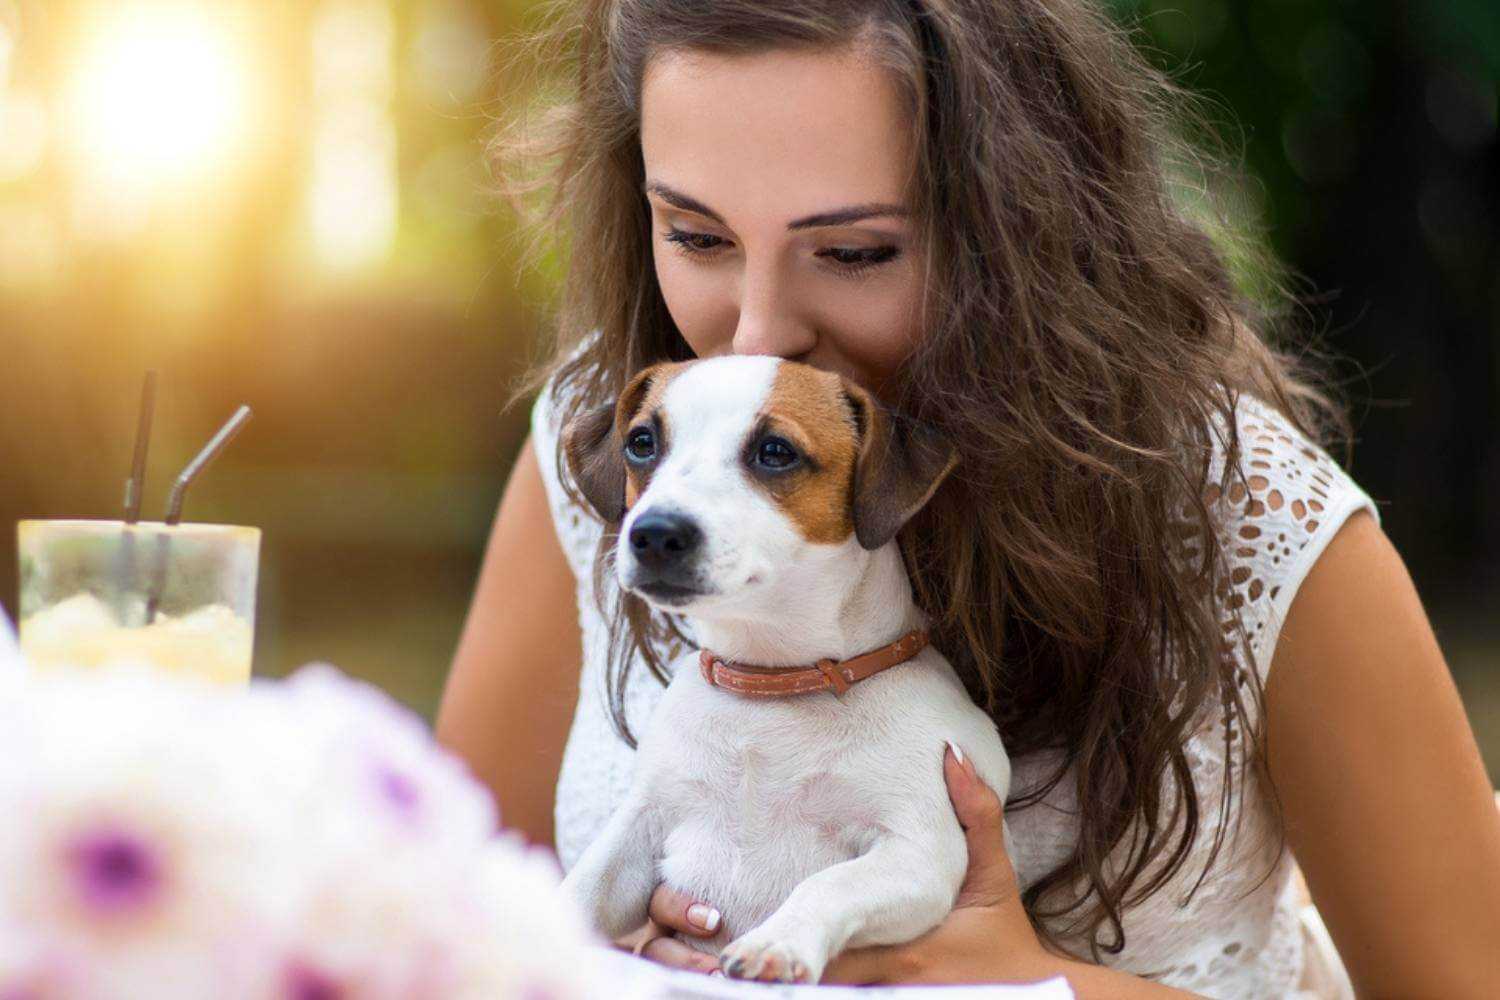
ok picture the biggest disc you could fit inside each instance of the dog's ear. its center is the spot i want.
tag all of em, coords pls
(595, 462)
(898, 467)
(592, 445)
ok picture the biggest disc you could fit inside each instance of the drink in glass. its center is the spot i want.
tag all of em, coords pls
(178, 597)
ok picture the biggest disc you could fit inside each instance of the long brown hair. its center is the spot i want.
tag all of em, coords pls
(1082, 331)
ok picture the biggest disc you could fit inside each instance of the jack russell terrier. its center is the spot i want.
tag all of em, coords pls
(792, 773)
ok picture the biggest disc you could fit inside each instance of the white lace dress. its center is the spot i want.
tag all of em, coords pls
(1233, 939)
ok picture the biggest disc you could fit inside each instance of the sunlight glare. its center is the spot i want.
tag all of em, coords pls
(352, 191)
(160, 96)
(6, 47)
(23, 134)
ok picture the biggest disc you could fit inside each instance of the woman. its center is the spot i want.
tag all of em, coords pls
(1203, 655)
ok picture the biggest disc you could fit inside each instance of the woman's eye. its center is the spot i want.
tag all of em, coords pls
(692, 243)
(774, 453)
(858, 260)
(640, 446)
(846, 260)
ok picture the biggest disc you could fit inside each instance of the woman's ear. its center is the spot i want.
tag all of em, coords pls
(898, 467)
(592, 445)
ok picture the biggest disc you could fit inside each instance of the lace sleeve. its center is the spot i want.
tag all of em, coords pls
(1297, 500)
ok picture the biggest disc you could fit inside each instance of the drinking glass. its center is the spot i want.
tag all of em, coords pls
(178, 597)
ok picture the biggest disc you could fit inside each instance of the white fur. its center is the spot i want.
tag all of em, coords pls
(814, 823)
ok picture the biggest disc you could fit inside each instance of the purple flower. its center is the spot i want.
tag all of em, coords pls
(398, 788)
(115, 871)
(305, 982)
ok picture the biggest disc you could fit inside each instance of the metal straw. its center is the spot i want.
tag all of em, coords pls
(210, 451)
(135, 486)
(208, 454)
(135, 490)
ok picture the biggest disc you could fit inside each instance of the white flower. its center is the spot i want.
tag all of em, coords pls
(133, 833)
(166, 837)
(12, 666)
(401, 786)
(547, 941)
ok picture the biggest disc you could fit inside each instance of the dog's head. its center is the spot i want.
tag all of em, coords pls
(738, 481)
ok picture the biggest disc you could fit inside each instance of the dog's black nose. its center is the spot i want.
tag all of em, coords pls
(659, 540)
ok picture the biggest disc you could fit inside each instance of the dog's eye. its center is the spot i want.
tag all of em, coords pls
(775, 453)
(640, 446)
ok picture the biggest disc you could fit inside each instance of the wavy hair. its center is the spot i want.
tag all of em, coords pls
(1083, 333)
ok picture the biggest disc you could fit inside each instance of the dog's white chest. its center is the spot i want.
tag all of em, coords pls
(812, 822)
(749, 805)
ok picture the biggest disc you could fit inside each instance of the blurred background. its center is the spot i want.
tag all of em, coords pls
(283, 203)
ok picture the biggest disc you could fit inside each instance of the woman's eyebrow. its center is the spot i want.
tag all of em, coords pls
(837, 217)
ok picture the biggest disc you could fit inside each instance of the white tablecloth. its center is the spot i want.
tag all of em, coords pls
(637, 979)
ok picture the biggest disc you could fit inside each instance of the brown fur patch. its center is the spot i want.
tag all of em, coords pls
(807, 407)
(638, 404)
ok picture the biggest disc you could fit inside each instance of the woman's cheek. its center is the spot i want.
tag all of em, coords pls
(876, 331)
(701, 310)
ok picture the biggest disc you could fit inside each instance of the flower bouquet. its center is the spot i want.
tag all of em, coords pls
(302, 839)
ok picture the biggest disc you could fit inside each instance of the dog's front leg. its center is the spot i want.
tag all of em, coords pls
(613, 880)
(895, 892)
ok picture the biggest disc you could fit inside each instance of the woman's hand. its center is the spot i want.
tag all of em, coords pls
(671, 911)
(987, 938)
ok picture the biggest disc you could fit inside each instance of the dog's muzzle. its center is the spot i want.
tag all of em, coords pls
(665, 546)
(663, 541)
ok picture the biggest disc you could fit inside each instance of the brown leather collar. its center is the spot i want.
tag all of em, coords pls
(825, 675)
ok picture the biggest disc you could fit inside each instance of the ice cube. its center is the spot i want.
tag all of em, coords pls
(81, 614)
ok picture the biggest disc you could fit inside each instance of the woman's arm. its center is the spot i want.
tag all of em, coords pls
(1389, 810)
(513, 686)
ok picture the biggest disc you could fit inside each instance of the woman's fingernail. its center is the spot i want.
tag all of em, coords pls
(703, 915)
(957, 753)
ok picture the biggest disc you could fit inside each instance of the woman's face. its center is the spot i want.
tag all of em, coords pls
(777, 189)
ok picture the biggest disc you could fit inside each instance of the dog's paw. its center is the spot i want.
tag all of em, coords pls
(771, 958)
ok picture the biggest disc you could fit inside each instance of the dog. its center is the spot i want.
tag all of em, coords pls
(760, 498)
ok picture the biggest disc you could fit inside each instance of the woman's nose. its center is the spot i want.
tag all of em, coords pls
(768, 322)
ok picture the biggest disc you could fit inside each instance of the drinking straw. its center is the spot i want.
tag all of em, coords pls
(135, 489)
(210, 451)
(135, 485)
